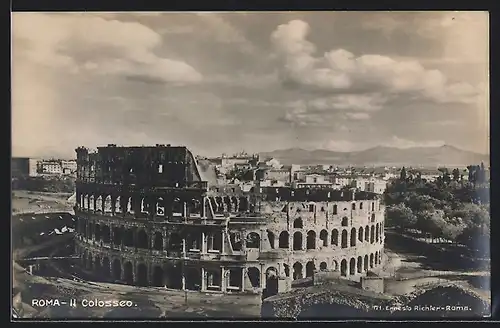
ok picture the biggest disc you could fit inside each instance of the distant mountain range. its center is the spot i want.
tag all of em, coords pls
(446, 155)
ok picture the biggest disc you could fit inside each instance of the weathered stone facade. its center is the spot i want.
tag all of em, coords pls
(146, 217)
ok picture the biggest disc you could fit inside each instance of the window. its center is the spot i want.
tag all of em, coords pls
(315, 180)
(360, 206)
(160, 168)
(311, 208)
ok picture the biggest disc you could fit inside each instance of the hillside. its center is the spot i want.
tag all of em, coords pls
(381, 156)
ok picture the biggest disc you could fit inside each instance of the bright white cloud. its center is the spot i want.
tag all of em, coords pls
(91, 43)
(340, 70)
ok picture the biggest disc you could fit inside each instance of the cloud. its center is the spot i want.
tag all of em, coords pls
(88, 43)
(343, 145)
(341, 71)
(405, 143)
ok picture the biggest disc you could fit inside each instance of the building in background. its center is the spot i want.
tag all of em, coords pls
(56, 167)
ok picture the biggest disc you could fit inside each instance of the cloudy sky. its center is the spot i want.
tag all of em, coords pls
(224, 82)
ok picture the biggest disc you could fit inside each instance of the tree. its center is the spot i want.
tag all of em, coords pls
(401, 217)
(453, 228)
(456, 174)
(402, 175)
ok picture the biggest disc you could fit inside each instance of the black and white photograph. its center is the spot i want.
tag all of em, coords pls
(306, 165)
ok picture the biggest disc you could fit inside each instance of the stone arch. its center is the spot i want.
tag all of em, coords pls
(144, 205)
(297, 271)
(128, 238)
(335, 237)
(310, 268)
(343, 268)
(91, 203)
(117, 269)
(108, 204)
(297, 241)
(373, 216)
(106, 234)
(335, 265)
(353, 206)
(118, 205)
(365, 263)
(353, 237)
(130, 205)
(376, 258)
(286, 268)
(360, 264)
(128, 272)
(352, 266)
(372, 234)
(360, 234)
(175, 242)
(253, 240)
(335, 209)
(284, 240)
(105, 267)
(376, 232)
(323, 236)
(270, 237)
(297, 224)
(158, 274)
(142, 275)
(367, 233)
(98, 204)
(158, 241)
(323, 266)
(271, 282)
(142, 239)
(160, 206)
(234, 203)
(345, 221)
(254, 276)
(371, 261)
(344, 239)
(311, 239)
(173, 276)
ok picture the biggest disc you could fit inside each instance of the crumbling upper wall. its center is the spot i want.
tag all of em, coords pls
(314, 195)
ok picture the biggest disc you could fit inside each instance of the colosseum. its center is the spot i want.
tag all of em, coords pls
(147, 217)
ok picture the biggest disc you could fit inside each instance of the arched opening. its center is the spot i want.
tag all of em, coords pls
(335, 209)
(173, 277)
(335, 265)
(97, 264)
(91, 203)
(352, 267)
(344, 238)
(367, 233)
(106, 234)
(243, 204)
(117, 235)
(286, 268)
(193, 241)
(236, 240)
(108, 208)
(323, 236)
(372, 234)
(345, 221)
(297, 241)
(376, 232)
(253, 240)
(371, 261)
(270, 237)
(365, 263)
(254, 276)
(335, 237)
(214, 279)
(98, 204)
(353, 206)
(310, 267)
(311, 239)
(193, 279)
(105, 267)
(228, 205)
(284, 240)
(297, 223)
(323, 266)
(128, 239)
(376, 258)
(118, 205)
(158, 276)
(128, 273)
(360, 234)
(343, 268)
(353, 237)
(142, 275)
(271, 283)
(117, 270)
(97, 232)
(158, 241)
(373, 216)
(360, 264)
(142, 239)
(174, 242)
(160, 207)
(297, 271)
